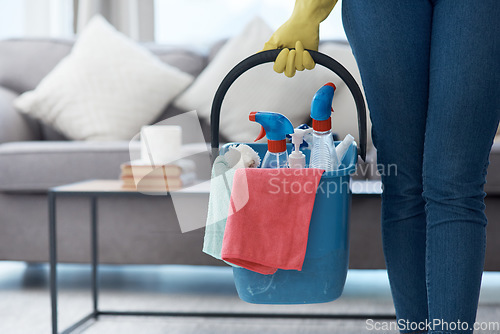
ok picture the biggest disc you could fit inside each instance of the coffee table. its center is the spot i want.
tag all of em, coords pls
(93, 190)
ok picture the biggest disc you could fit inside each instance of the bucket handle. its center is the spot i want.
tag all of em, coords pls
(270, 56)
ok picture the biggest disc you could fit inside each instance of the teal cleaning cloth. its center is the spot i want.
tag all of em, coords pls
(218, 206)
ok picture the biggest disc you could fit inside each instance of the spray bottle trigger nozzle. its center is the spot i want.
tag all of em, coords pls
(262, 134)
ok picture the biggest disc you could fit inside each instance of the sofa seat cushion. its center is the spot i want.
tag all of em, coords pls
(37, 166)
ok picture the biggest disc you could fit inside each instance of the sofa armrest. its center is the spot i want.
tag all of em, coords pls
(13, 125)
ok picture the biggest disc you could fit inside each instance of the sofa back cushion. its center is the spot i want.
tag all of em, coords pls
(25, 62)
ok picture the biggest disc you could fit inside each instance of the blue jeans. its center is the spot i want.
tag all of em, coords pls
(431, 74)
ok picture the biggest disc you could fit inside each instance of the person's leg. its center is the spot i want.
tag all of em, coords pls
(391, 43)
(463, 114)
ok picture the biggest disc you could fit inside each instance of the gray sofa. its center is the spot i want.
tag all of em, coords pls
(34, 157)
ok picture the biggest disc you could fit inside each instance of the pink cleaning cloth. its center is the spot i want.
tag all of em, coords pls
(270, 212)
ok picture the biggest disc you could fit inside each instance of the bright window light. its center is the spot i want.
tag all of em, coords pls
(36, 18)
(203, 22)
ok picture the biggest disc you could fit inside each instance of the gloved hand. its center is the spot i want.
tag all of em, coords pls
(302, 32)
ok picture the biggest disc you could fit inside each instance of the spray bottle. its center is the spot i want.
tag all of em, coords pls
(275, 126)
(323, 154)
(297, 159)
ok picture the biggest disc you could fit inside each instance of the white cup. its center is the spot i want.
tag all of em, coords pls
(160, 144)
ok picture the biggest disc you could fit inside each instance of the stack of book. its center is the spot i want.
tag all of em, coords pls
(141, 176)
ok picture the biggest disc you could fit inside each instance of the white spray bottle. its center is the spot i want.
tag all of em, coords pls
(275, 127)
(323, 153)
(297, 159)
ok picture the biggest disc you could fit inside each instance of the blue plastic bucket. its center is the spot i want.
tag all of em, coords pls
(326, 261)
(323, 274)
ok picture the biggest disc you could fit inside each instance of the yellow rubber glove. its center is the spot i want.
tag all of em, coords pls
(301, 31)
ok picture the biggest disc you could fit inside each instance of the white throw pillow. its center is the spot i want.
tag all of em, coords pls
(263, 89)
(105, 89)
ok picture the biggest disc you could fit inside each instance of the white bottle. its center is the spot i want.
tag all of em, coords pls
(297, 159)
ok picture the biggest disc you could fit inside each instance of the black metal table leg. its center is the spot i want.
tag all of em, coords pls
(53, 264)
(53, 259)
(94, 242)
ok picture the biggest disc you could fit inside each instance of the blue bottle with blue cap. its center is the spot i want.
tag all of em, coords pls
(275, 126)
(323, 154)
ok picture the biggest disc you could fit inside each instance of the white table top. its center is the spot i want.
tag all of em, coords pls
(115, 186)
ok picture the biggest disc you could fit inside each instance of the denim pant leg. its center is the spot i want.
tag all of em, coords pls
(462, 118)
(391, 42)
